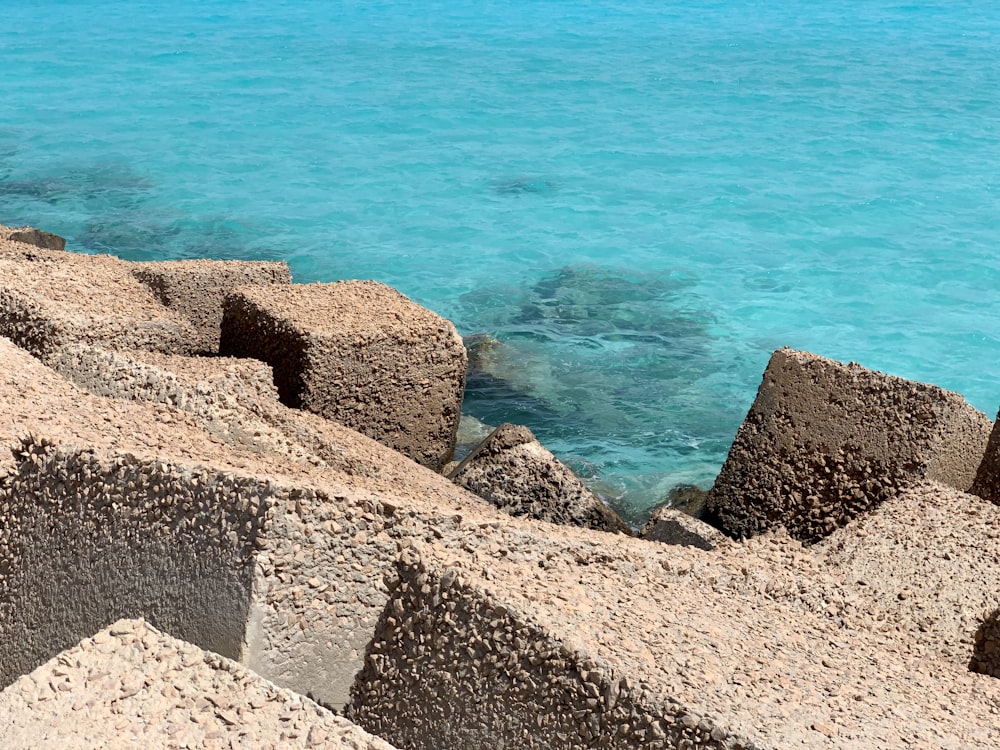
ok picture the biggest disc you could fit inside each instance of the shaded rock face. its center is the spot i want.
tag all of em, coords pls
(986, 653)
(824, 442)
(672, 526)
(359, 353)
(514, 472)
(987, 482)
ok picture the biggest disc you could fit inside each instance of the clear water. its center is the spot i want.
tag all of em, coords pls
(637, 200)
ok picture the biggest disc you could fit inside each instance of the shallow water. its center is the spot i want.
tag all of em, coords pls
(638, 201)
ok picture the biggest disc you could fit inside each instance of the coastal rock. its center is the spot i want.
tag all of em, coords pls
(129, 685)
(197, 288)
(359, 353)
(51, 299)
(511, 470)
(824, 442)
(32, 236)
(673, 526)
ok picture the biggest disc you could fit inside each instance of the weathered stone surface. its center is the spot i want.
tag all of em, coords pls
(50, 299)
(987, 482)
(197, 289)
(359, 353)
(32, 236)
(926, 563)
(113, 508)
(672, 526)
(825, 442)
(986, 653)
(513, 471)
(130, 685)
(563, 644)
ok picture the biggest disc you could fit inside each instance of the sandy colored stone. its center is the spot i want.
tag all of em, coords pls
(132, 686)
(513, 471)
(671, 526)
(824, 442)
(360, 353)
(197, 288)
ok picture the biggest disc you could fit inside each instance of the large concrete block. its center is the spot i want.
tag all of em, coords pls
(114, 508)
(359, 353)
(49, 299)
(987, 482)
(926, 564)
(130, 685)
(513, 471)
(197, 289)
(824, 442)
(630, 645)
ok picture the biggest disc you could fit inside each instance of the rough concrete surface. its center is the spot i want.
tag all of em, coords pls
(513, 471)
(824, 442)
(197, 288)
(360, 353)
(130, 685)
(50, 299)
(565, 644)
(671, 526)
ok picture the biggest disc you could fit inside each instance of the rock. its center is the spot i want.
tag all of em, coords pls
(197, 288)
(824, 442)
(513, 471)
(36, 237)
(673, 526)
(688, 499)
(359, 353)
(986, 655)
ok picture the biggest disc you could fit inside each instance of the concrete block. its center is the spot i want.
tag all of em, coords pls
(197, 289)
(130, 685)
(114, 508)
(50, 299)
(359, 353)
(513, 471)
(824, 442)
(558, 644)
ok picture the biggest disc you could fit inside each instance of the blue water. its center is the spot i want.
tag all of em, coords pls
(638, 201)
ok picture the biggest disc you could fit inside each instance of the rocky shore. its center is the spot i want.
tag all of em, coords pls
(228, 519)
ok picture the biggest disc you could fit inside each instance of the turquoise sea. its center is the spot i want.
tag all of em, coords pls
(635, 201)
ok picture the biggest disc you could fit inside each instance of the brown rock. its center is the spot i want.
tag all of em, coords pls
(513, 471)
(36, 237)
(673, 526)
(824, 442)
(197, 288)
(360, 353)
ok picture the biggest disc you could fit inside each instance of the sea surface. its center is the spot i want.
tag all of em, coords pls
(630, 205)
